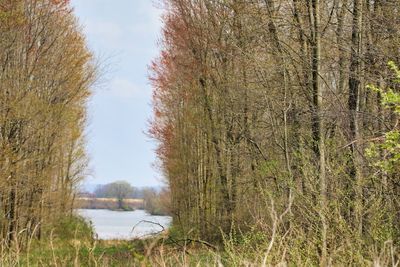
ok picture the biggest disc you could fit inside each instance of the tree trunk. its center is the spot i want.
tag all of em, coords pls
(354, 108)
(317, 123)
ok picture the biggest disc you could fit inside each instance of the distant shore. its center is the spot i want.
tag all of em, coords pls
(109, 203)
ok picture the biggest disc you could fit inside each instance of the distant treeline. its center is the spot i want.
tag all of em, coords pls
(155, 200)
(46, 71)
(128, 204)
(106, 190)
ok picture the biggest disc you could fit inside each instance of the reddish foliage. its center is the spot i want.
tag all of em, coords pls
(172, 75)
(60, 2)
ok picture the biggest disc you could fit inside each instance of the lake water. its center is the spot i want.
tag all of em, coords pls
(110, 224)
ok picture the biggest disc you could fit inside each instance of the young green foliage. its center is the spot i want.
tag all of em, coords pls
(390, 142)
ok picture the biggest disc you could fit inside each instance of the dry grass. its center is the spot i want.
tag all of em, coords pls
(108, 203)
(154, 252)
(70, 243)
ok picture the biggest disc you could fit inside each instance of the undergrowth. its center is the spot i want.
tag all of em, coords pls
(71, 243)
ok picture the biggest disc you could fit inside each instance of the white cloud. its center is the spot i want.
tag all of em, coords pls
(108, 31)
(150, 20)
(124, 88)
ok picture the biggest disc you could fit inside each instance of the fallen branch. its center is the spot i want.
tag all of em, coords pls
(175, 241)
(150, 222)
(189, 240)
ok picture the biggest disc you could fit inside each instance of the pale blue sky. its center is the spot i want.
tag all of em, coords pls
(124, 35)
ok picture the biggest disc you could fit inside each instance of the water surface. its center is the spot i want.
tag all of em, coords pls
(110, 224)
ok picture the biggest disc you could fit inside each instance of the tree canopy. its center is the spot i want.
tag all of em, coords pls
(263, 116)
(46, 72)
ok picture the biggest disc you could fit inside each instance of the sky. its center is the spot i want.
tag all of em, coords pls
(123, 34)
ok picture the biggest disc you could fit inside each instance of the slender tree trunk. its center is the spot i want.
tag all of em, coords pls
(224, 206)
(304, 81)
(317, 122)
(12, 217)
(354, 109)
(341, 45)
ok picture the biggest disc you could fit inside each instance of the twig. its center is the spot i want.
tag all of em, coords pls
(363, 141)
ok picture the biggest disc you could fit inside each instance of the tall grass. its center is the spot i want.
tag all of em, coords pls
(70, 243)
